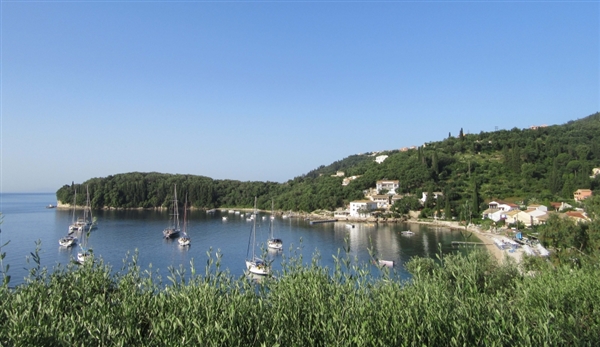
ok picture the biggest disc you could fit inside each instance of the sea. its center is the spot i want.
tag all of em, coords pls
(26, 221)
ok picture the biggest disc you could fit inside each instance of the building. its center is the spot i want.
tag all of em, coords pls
(347, 180)
(380, 159)
(497, 210)
(362, 208)
(582, 194)
(578, 217)
(339, 174)
(389, 185)
(515, 216)
(560, 206)
(383, 201)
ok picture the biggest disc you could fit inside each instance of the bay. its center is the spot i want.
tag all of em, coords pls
(121, 232)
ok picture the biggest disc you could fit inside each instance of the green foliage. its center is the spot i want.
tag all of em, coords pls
(456, 300)
(406, 204)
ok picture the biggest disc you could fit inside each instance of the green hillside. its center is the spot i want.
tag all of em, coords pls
(544, 164)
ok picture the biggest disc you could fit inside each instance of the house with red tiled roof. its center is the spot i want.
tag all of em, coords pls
(578, 217)
(560, 206)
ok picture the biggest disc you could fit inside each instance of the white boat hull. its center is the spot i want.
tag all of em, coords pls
(275, 244)
(67, 241)
(184, 241)
(257, 267)
(82, 257)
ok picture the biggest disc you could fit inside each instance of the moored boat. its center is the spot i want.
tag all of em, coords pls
(184, 239)
(255, 264)
(172, 231)
(67, 241)
(273, 242)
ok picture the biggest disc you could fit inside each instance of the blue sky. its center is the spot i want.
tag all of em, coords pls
(271, 90)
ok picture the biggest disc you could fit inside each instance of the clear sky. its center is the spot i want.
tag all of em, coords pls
(269, 90)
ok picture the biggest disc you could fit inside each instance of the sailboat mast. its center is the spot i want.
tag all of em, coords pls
(74, 205)
(271, 218)
(254, 231)
(88, 209)
(175, 209)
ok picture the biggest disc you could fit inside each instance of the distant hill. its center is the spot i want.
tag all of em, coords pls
(545, 163)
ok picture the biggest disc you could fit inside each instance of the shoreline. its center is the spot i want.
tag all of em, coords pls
(483, 236)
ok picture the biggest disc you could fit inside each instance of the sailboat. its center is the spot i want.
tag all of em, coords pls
(254, 264)
(272, 242)
(173, 230)
(85, 222)
(74, 226)
(184, 240)
(84, 253)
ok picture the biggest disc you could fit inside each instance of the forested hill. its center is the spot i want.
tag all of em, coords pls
(546, 164)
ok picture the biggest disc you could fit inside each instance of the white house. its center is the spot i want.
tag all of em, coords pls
(362, 208)
(538, 213)
(383, 201)
(380, 158)
(514, 216)
(497, 210)
(389, 185)
(503, 206)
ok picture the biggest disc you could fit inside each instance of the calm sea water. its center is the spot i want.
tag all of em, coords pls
(26, 219)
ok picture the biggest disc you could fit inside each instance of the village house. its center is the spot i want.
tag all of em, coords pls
(516, 216)
(382, 200)
(560, 206)
(389, 185)
(397, 197)
(497, 210)
(538, 213)
(339, 174)
(582, 194)
(578, 217)
(347, 180)
(362, 208)
(595, 172)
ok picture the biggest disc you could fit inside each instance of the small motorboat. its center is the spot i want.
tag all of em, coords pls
(407, 233)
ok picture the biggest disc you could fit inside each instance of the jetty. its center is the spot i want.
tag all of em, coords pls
(323, 221)
(457, 243)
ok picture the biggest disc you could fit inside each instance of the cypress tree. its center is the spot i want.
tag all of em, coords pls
(475, 199)
(434, 163)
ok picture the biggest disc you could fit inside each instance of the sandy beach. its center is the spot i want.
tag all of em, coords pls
(484, 236)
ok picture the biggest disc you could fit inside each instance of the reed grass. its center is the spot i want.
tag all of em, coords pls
(454, 300)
